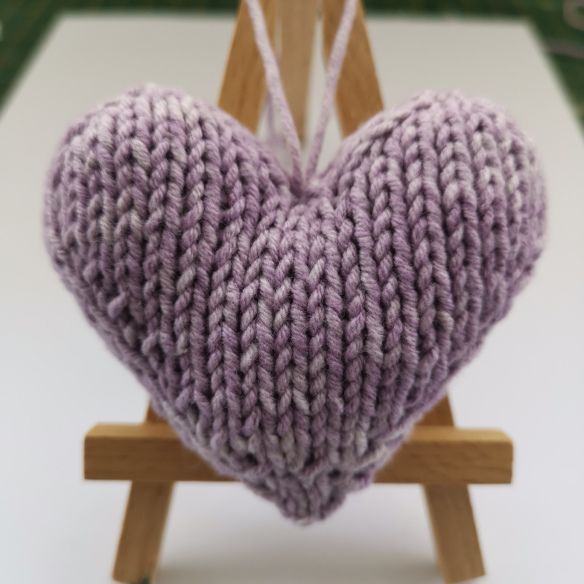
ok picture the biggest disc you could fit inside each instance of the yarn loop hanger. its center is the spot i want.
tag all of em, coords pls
(299, 177)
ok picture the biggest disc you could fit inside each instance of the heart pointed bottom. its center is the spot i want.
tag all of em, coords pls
(293, 338)
(305, 494)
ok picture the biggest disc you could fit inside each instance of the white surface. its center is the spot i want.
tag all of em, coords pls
(58, 379)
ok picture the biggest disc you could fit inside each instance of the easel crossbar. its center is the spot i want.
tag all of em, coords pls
(431, 455)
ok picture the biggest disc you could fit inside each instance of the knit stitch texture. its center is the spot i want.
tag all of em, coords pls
(293, 338)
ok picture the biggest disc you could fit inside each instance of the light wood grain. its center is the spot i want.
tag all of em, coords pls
(297, 25)
(152, 452)
(141, 536)
(439, 415)
(455, 534)
(244, 85)
(358, 92)
(143, 527)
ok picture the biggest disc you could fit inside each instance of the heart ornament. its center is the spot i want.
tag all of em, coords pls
(293, 331)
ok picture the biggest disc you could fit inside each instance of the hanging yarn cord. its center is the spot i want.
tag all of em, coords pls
(277, 96)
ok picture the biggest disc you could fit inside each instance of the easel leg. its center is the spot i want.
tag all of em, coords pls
(242, 96)
(451, 515)
(141, 537)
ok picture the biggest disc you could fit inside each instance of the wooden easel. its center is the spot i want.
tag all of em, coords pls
(442, 458)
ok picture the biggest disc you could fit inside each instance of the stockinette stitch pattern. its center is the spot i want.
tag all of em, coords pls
(293, 335)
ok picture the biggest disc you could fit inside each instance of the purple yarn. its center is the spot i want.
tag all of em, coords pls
(278, 97)
(292, 329)
(293, 343)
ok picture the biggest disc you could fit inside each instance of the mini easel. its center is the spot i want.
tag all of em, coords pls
(442, 458)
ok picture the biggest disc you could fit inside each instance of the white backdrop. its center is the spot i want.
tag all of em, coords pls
(58, 379)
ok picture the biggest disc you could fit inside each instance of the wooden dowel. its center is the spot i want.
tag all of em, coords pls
(152, 452)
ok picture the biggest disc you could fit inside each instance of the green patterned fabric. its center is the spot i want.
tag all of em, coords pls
(25, 22)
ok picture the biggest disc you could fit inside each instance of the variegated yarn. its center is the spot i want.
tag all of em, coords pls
(291, 330)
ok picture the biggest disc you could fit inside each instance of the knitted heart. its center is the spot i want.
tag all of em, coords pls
(293, 328)
(292, 339)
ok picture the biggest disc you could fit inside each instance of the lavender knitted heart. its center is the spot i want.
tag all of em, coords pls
(292, 338)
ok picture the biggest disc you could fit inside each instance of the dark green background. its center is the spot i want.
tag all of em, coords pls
(25, 22)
